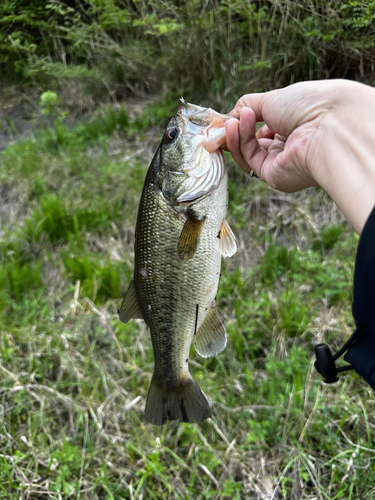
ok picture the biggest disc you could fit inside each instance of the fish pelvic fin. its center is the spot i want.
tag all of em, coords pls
(185, 402)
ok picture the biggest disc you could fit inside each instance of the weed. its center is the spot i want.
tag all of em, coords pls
(74, 378)
(105, 50)
(100, 280)
(66, 462)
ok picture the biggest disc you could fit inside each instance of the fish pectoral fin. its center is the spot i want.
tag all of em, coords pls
(211, 338)
(189, 237)
(227, 243)
(129, 307)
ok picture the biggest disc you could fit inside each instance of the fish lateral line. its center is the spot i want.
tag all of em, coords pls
(196, 319)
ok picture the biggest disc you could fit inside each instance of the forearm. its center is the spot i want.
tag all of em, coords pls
(343, 160)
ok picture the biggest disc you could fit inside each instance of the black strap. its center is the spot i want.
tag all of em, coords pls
(359, 350)
(325, 361)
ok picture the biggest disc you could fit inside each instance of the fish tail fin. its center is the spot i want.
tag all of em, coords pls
(185, 402)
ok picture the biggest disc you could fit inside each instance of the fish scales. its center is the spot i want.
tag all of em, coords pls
(175, 283)
(169, 289)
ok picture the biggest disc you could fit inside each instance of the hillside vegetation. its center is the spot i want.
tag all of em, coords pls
(73, 379)
(210, 50)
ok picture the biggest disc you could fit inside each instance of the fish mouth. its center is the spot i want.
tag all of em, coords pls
(199, 115)
(186, 108)
(205, 122)
(201, 132)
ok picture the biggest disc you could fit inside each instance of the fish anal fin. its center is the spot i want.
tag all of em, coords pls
(129, 307)
(189, 237)
(185, 402)
(227, 243)
(211, 338)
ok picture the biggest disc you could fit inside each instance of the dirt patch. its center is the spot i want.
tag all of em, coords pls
(18, 121)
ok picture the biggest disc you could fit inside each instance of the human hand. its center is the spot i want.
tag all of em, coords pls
(281, 152)
(318, 132)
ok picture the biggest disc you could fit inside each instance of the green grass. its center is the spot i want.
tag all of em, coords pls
(73, 379)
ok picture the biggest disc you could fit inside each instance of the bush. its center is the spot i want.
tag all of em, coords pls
(215, 50)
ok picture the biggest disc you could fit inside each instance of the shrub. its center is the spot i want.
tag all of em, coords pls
(216, 50)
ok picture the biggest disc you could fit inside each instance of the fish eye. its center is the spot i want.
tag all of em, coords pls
(170, 134)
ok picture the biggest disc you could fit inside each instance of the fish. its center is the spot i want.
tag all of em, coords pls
(181, 236)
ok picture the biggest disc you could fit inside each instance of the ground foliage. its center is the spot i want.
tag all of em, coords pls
(214, 49)
(74, 379)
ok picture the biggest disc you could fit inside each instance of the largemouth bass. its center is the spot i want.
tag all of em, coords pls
(181, 235)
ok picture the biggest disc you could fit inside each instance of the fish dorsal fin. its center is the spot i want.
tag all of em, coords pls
(227, 244)
(211, 338)
(129, 307)
(189, 237)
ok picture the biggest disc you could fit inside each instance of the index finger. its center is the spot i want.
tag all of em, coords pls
(253, 101)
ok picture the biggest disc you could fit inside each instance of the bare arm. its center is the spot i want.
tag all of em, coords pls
(316, 133)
